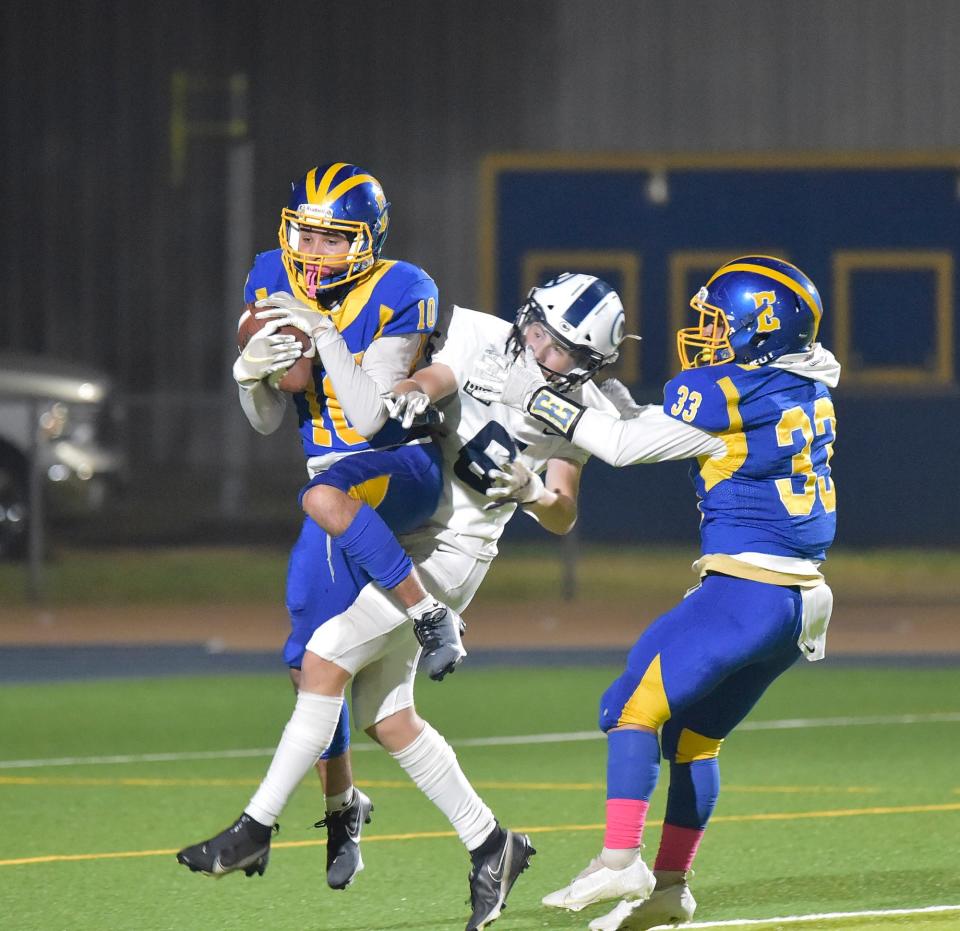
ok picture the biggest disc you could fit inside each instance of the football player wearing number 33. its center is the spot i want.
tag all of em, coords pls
(752, 407)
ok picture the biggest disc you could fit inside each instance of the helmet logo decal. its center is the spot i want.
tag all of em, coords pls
(767, 321)
(315, 211)
(619, 327)
(810, 300)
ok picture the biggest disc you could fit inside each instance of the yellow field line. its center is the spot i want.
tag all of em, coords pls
(67, 781)
(536, 829)
(840, 813)
(143, 782)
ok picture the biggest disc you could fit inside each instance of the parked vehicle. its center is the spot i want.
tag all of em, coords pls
(63, 413)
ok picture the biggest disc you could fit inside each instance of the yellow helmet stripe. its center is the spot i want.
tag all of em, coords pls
(318, 193)
(347, 185)
(797, 289)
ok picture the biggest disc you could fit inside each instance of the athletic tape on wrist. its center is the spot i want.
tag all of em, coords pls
(556, 411)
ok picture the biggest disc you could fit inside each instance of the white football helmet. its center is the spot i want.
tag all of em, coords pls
(583, 314)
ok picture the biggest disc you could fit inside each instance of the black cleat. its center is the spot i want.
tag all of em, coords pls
(493, 876)
(242, 846)
(438, 632)
(343, 840)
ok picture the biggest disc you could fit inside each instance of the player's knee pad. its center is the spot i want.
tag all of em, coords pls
(640, 701)
(385, 687)
(326, 639)
(341, 737)
(372, 705)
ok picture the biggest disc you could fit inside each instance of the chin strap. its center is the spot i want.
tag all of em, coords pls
(556, 411)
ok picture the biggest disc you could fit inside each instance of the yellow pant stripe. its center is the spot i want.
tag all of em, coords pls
(648, 705)
(372, 491)
(693, 746)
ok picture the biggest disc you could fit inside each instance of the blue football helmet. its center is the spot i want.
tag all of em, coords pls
(753, 310)
(339, 198)
(581, 313)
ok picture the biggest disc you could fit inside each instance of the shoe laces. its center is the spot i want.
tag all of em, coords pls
(336, 821)
(428, 625)
(331, 820)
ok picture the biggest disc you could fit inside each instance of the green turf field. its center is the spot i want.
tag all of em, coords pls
(236, 575)
(859, 815)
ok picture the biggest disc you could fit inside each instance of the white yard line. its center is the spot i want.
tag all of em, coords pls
(568, 737)
(825, 916)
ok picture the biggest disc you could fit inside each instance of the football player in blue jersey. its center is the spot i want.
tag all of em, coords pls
(752, 406)
(368, 319)
(493, 455)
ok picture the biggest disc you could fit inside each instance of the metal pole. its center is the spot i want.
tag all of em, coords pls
(239, 253)
(569, 554)
(36, 526)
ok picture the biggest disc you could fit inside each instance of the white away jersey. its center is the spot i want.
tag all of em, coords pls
(478, 437)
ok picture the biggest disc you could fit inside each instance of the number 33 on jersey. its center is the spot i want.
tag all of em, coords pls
(771, 491)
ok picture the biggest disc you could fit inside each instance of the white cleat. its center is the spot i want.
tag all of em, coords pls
(598, 883)
(672, 905)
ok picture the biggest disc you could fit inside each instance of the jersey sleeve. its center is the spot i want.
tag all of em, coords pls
(414, 308)
(695, 397)
(650, 436)
(360, 388)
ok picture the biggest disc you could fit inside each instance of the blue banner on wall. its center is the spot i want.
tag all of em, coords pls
(878, 234)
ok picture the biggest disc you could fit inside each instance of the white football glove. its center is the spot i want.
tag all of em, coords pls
(617, 393)
(406, 407)
(267, 355)
(285, 310)
(513, 383)
(514, 482)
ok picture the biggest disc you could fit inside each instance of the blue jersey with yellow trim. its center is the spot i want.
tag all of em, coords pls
(394, 299)
(772, 491)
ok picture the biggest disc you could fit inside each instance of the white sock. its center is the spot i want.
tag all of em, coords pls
(431, 763)
(422, 607)
(618, 859)
(308, 733)
(339, 801)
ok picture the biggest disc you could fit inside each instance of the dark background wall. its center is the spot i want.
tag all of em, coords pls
(123, 217)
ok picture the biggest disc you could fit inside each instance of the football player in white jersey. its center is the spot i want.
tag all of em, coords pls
(493, 457)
